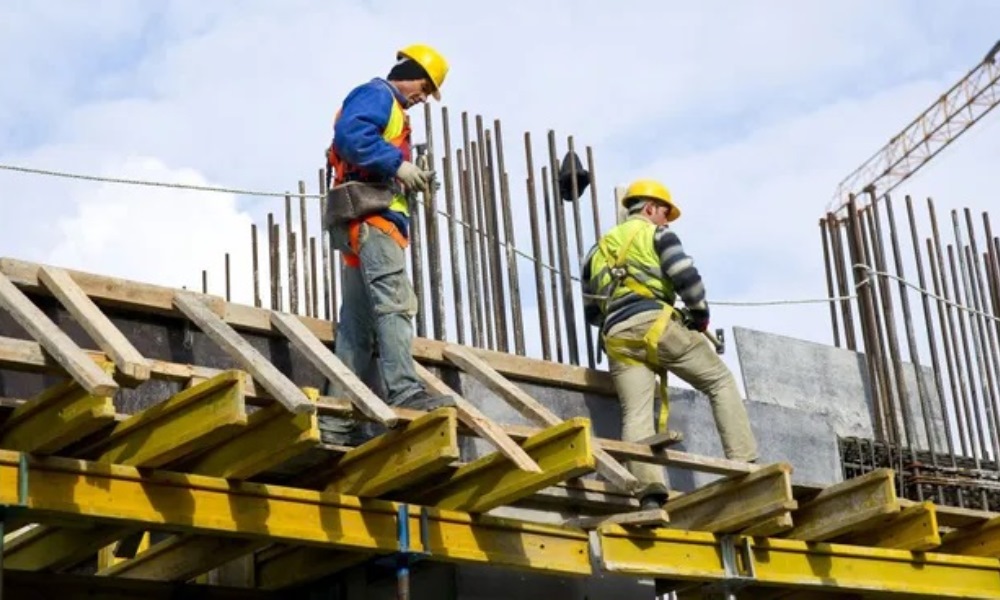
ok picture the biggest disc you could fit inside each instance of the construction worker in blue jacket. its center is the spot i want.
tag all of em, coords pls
(371, 144)
(631, 279)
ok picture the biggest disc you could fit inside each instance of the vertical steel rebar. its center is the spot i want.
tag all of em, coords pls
(488, 170)
(204, 281)
(453, 216)
(255, 262)
(328, 262)
(880, 351)
(510, 244)
(553, 279)
(489, 317)
(304, 238)
(433, 238)
(471, 248)
(829, 282)
(536, 249)
(314, 284)
(595, 203)
(273, 266)
(578, 230)
(478, 289)
(417, 252)
(846, 311)
(569, 311)
(229, 286)
(291, 252)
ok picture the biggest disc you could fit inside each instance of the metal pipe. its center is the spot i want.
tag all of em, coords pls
(453, 244)
(547, 197)
(536, 250)
(255, 262)
(578, 233)
(911, 341)
(965, 432)
(293, 265)
(569, 311)
(471, 248)
(304, 235)
(829, 282)
(433, 237)
(514, 282)
(489, 317)
(488, 170)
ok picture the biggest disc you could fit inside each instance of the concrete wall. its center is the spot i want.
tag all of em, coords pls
(829, 382)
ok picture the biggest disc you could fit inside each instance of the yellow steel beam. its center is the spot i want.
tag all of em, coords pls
(850, 506)
(821, 567)
(975, 540)
(400, 457)
(193, 420)
(126, 496)
(562, 451)
(181, 558)
(285, 567)
(272, 436)
(913, 528)
(57, 417)
(41, 547)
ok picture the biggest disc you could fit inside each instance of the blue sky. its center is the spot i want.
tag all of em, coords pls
(750, 113)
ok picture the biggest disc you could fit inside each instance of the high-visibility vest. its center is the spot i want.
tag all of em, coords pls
(627, 263)
(397, 133)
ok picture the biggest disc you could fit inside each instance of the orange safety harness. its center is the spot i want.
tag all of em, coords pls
(354, 234)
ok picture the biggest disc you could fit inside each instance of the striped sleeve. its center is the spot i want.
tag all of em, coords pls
(591, 306)
(679, 268)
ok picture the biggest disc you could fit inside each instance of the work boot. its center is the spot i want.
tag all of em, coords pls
(427, 402)
(653, 496)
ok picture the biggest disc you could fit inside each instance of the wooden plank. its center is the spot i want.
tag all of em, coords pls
(607, 466)
(847, 507)
(273, 380)
(475, 420)
(332, 368)
(642, 518)
(193, 420)
(55, 342)
(399, 458)
(61, 415)
(563, 451)
(141, 297)
(100, 329)
(975, 540)
(242, 456)
(662, 440)
(913, 528)
(732, 504)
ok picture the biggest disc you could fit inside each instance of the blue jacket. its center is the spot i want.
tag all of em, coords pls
(358, 132)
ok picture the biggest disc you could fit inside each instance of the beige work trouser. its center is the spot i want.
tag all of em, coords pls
(691, 357)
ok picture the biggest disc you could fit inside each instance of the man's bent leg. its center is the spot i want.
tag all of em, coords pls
(636, 385)
(383, 267)
(688, 354)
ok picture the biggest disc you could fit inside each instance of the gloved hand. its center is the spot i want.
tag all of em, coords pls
(413, 177)
(698, 319)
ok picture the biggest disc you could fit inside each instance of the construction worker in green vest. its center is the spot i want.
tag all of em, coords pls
(631, 279)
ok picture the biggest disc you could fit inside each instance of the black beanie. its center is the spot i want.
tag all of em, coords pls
(407, 69)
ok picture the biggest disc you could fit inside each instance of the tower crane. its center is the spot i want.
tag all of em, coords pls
(947, 118)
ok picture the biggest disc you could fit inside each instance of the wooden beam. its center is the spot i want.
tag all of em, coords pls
(914, 528)
(563, 451)
(642, 518)
(332, 368)
(153, 299)
(57, 343)
(242, 456)
(61, 415)
(662, 440)
(273, 380)
(732, 504)
(975, 540)
(532, 409)
(189, 422)
(399, 458)
(475, 420)
(847, 507)
(100, 329)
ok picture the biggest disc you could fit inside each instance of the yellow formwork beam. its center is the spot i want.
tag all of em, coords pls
(914, 528)
(85, 491)
(848, 507)
(57, 417)
(562, 451)
(285, 567)
(191, 421)
(819, 567)
(181, 557)
(272, 436)
(39, 547)
(400, 457)
(975, 540)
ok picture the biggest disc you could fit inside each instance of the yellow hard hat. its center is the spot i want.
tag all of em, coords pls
(431, 60)
(654, 190)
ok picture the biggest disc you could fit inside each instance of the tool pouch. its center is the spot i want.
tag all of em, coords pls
(354, 200)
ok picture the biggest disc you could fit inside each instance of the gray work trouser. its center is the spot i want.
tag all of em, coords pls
(691, 357)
